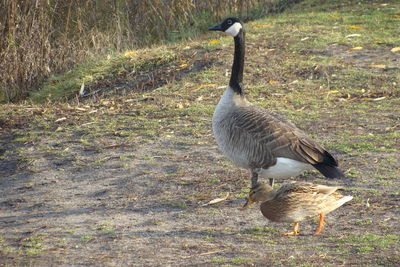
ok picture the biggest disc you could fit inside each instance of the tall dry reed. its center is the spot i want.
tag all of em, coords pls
(40, 37)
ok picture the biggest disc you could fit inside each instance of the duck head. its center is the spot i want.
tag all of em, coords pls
(260, 193)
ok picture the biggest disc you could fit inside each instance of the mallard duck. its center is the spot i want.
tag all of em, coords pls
(296, 202)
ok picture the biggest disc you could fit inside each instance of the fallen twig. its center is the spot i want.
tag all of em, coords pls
(205, 253)
(217, 200)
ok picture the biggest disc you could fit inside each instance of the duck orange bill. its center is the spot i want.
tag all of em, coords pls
(248, 203)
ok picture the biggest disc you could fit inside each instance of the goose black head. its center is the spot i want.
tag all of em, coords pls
(231, 26)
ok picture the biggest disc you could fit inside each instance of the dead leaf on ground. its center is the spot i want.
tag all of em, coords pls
(213, 42)
(356, 48)
(379, 98)
(129, 53)
(334, 16)
(378, 66)
(61, 119)
(366, 96)
(354, 27)
(331, 92)
(353, 35)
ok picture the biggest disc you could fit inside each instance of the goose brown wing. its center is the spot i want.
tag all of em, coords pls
(273, 136)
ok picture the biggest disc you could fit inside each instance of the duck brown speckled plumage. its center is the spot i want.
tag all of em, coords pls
(296, 202)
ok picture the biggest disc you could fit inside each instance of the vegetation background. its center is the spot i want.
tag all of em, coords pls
(41, 37)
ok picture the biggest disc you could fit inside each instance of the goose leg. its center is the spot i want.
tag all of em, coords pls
(295, 229)
(271, 182)
(320, 224)
(254, 177)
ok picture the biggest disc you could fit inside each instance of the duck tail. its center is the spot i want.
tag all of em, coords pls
(337, 204)
(343, 200)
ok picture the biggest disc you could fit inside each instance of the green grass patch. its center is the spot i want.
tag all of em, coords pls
(242, 260)
(86, 238)
(63, 86)
(369, 242)
(32, 245)
(263, 231)
(243, 193)
(219, 260)
(385, 142)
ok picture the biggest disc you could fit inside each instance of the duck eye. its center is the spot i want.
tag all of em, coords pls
(229, 22)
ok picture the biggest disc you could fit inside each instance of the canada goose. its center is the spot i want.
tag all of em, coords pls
(258, 139)
(297, 202)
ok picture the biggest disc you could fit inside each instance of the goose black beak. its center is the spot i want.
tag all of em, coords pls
(217, 27)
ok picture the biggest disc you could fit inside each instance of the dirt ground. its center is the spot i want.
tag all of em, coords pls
(125, 180)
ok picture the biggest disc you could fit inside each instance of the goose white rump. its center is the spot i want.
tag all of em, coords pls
(284, 168)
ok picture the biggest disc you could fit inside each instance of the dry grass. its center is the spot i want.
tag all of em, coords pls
(41, 37)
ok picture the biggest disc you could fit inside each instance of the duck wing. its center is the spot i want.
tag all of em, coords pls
(313, 190)
(295, 202)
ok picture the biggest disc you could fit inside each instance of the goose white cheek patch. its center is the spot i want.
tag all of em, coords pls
(234, 29)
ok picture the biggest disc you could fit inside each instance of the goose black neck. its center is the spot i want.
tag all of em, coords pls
(236, 81)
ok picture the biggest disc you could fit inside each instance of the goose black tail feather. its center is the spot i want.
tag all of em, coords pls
(329, 167)
(329, 171)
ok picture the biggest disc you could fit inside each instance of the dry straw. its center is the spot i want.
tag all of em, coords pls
(41, 37)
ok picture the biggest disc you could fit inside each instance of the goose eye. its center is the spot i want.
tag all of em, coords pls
(229, 22)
